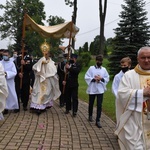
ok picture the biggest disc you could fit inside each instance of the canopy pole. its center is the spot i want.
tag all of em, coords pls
(68, 54)
(23, 45)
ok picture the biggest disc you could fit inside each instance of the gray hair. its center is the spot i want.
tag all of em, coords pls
(143, 48)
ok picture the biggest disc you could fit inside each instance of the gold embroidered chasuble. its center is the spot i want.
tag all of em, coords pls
(132, 122)
(144, 77)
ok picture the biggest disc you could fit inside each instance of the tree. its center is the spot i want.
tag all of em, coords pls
(91, 48)
(12, 21)
(85, 47)
(80, 50)
(96, 45)
(74, 16)
(54, 43)
(54, 20)
(102, 16)
(133, 33)
(109, 46)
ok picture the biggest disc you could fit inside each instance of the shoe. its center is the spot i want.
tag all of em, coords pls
(5, 111)
(16, 110)
(25, 108)
(90, 118)
(98, 125)
(74, 114)
(43, 110)
(38, 112)
(61, 105)
(67, 112)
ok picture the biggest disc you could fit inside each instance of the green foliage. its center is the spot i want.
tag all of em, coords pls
(85, 47)
(95, 46)
(132, 34)
(84, 59)
(11, 22)
(80, 50)
(109, 46)
(91, 48)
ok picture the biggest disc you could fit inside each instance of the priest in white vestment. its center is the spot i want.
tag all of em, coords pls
(3, 91)
(10, 73)
(46, 86)
(133, 127)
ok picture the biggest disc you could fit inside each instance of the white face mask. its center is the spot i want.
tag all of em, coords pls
(6, 58)
(15, 55)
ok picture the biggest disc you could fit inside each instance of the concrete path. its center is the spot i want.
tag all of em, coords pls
(54, 130)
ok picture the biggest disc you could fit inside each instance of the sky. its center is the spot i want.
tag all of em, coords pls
(87, 18)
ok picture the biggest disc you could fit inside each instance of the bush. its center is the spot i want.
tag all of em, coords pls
(84, 59)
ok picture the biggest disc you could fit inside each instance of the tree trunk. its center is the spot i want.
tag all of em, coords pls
(102, 16)
(74, 17)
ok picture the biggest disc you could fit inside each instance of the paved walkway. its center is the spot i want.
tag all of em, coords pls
(54, 130)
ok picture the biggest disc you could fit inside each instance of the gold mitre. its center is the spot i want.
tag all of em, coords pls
(45, 47)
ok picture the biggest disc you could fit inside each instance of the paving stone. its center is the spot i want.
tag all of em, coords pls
(54, 130)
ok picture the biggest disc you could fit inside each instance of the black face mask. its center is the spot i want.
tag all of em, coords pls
(98, 64)
(125, 69)
(71, 61)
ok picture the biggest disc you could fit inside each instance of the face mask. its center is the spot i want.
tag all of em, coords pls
(71, 61)
(65, 60)
(6, 58)
(98, 64)
(124, 69)
(15, 55)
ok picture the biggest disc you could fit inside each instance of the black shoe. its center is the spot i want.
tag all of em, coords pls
(98, 125)
(67, 112)
(61, 105)
(25, 108)
(5, 111)
(38, 112)
(90, 118)
(74, 114)
(16, 110)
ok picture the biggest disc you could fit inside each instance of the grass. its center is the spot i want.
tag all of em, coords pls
(109, 99)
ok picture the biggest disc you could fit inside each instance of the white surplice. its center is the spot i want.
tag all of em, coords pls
(94, 87)
(3, 91)
(10, 69)
(133, 127)
(46, 87)
(116, 81)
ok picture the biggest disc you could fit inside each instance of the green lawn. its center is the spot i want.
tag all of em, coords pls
(109, 99)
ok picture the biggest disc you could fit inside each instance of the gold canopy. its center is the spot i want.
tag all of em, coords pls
(57, 31)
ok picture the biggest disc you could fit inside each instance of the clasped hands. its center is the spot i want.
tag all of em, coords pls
(97, 78)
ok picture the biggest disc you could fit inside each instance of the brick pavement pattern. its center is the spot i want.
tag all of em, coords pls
(54, 130)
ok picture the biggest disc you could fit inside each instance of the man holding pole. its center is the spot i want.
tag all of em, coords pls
(73, 68)
(61, 73)
(22, 79)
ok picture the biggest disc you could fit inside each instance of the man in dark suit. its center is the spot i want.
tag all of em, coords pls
(1, 54)
(23, 88)
(73, 69)
(61, 74)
